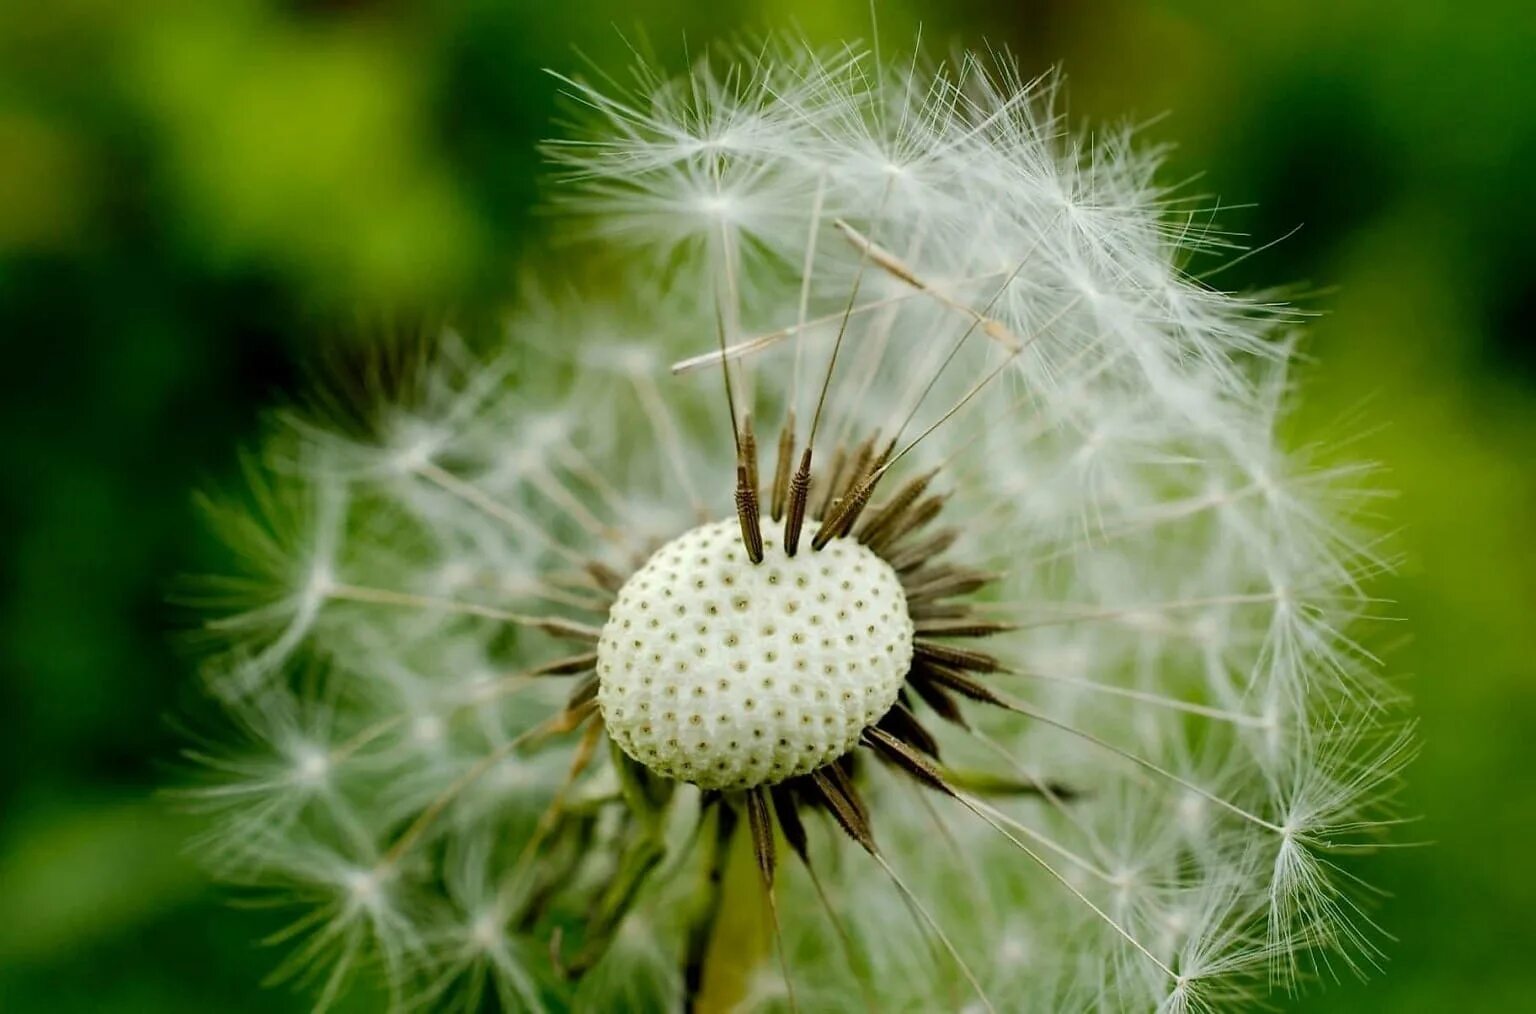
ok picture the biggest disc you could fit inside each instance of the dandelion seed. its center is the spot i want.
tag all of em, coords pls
(1014, 667)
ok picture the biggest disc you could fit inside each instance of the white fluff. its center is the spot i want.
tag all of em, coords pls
(1015, 294)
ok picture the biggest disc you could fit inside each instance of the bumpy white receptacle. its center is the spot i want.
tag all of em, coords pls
(728, 675)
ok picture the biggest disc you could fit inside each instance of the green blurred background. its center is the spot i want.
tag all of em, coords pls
(193, 195)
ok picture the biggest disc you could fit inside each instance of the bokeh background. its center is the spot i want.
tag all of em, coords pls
(194, 196)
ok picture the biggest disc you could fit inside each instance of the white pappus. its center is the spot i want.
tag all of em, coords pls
(884, 585)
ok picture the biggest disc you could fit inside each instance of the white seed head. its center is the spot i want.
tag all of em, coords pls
(934, 256)
(728, 675)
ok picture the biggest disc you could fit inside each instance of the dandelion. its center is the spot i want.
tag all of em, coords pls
(888, 588)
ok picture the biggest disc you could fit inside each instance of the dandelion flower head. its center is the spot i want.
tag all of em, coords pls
(886, 585)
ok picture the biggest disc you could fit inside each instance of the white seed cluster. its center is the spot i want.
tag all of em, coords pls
(728, 675)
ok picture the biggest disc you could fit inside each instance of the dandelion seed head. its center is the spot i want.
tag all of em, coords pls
(901, 508)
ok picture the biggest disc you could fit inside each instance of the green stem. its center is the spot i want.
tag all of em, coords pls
(737, 939)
